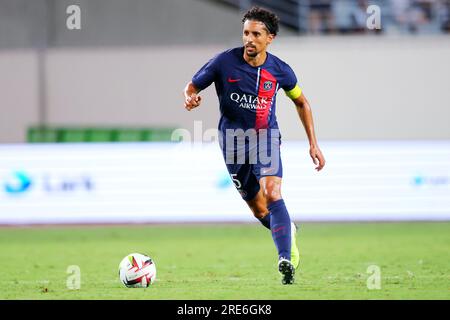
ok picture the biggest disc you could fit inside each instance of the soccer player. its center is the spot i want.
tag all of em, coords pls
(247, 79)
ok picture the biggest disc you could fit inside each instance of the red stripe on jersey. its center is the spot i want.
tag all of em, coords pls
(266, 91)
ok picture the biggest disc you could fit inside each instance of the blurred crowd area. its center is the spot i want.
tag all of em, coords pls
(397, 16)
(350, 16)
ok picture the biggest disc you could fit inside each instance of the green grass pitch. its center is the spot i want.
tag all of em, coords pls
(228, 261)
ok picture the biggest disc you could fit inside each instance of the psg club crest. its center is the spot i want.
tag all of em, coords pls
(267, 85)
(243, 193)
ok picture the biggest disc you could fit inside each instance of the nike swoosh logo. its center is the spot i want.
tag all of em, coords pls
(278, 229)
(266, 170)
(233, 80)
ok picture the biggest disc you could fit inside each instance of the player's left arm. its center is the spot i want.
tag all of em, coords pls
(305, 114)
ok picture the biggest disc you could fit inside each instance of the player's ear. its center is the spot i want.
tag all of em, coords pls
(270, 38)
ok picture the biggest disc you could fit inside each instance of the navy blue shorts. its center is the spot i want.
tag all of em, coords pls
(249, 161)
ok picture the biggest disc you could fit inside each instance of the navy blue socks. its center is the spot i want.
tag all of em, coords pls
(280, 225)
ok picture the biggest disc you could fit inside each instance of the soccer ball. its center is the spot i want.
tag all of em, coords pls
(137, 271)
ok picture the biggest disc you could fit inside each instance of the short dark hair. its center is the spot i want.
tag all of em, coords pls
(268, 18)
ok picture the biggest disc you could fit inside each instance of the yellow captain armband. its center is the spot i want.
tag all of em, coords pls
(294, 93)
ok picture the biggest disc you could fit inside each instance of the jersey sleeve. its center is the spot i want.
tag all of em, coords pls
(207, 74)
(289, 83)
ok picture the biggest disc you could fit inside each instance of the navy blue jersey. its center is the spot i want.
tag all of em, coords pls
(247, 94)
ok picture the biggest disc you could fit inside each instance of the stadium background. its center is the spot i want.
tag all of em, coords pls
(87, 115)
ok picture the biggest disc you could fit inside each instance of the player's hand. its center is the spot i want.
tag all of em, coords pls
(317, 157)
(192, 101)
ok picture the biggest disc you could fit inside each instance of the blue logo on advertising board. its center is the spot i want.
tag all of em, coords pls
(20, 183)
(421, 180)
(224, 181)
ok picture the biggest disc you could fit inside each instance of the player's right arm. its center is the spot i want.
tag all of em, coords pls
(191, 97)
(200, 81)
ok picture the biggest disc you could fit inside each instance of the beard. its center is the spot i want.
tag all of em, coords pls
(253, 53)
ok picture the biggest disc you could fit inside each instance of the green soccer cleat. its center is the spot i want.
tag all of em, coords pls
(295, 254)
(287, 271)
